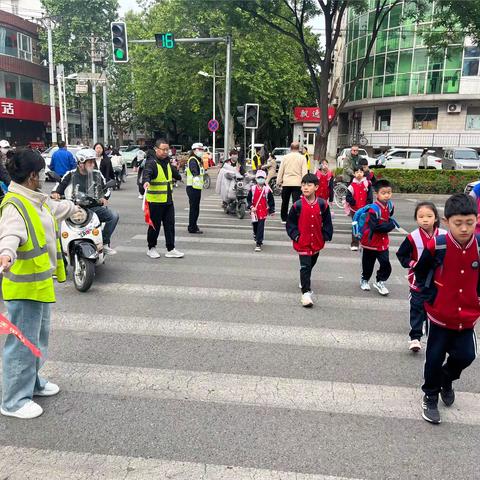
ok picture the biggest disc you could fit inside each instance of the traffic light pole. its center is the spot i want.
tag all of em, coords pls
(51, 81)
(94, 96)
(228, 75)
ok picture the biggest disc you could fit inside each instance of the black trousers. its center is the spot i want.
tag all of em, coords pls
(355, 241)
(418, 315)
(162, 213)
(194, 196)
(258, 231)
(461, 347)
(288, 192)
(368, 263)
(307, 262)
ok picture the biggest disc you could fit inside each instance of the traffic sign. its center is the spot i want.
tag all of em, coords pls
(213, 125)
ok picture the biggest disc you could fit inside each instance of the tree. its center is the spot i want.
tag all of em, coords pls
(290, 18)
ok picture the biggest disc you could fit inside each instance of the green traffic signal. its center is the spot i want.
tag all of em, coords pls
(119, 54)
(118, 32)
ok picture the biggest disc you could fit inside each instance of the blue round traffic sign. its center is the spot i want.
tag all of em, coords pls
(213, 125)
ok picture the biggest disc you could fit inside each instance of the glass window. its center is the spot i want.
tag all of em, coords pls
(26, 89)
(407, 36)
(361, 47)
(353, 70)
(472, 52)
(403, 84)
(454, 58)
(379, 65)
(436, 61)
(381, 43)
(377, 87)
(451, 81)
(434, 82)
(358, 90)
(393, 40)
(389, 89)
(8, 42)
(405, 62)
(371, 20)
(419, 40)
(11, 82)
(395, 16)
(354, 49)
(382, 120)
(473, 118)
(24, 47)
(420, 59)
(363, 24)
(425, 118)
(418, 83)
(369, 68)
(470, 67)
(391, 63)
(355, 28)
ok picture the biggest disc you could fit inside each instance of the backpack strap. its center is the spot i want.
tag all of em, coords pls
(440, 251)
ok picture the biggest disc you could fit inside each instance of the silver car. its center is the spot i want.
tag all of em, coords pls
(460, 158)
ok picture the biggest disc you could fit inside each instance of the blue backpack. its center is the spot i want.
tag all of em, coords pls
(359, 221)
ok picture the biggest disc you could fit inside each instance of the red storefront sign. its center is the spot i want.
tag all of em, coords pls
(311, 114)
(23, 110)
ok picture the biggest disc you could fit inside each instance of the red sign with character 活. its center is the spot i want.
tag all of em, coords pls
(23, 110)
(311, 114)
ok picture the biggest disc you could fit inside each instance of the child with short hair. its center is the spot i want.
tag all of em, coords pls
(375, 241)
(325, 181)
(261, 204)
(309, 225)
(448, 270)
(410, 251)
(369, 175)
(359, 194)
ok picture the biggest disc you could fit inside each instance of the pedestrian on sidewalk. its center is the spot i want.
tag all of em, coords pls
(375, 241)
(158, 176)
(449, 272)
(261, 203)
(195, 172)
(62, 160)
(309, 226)
(359, 194)
(292, 170)
(30, 254)
(104, 163)
(410, 251)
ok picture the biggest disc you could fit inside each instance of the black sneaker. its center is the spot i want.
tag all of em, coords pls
(430, 409)
(447, 395)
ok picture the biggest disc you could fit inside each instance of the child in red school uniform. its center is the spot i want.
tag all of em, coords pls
(410, 251)
(448, 271)
(359, 194)
(261, 204)
(325, 182)
(368, 174)
(309, 225)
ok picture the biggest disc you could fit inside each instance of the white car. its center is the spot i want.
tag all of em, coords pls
(409, 158)
(279, 153)
(470, 187)
(361, 152)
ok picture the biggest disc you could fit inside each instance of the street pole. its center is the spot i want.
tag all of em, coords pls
(94, 96)
(65, 116)
(51, 80)
(105, 119)
(213, 146)
(60, 103)
(228, 81)
(252, 152)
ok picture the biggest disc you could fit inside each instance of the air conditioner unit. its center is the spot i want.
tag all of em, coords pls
(454, 108)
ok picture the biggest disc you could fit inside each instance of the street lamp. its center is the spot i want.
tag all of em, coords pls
(213, 77)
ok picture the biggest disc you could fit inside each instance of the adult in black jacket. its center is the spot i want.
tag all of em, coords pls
(104, 164)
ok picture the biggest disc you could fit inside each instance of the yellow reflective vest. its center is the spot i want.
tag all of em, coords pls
(158, 190)
(30, 277)
(197, 180)
(256, 162)
(307, 156)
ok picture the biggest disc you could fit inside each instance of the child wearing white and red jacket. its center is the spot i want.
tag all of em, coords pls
(325, 182)
(410, 251)
(375, 241)
(309, 225)
(261, 204)
(359, 194)
(448, 271)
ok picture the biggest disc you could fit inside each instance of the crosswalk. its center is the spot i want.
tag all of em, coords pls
(207, 367)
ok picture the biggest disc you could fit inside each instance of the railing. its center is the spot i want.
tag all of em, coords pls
(421, 139)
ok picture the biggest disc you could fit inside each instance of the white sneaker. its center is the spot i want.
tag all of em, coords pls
(415, 345)
(153, 253)
(364, 285)
(107, 250)
(49, 390)
(354, 248)
(29, 410)
(258, 248)
(174, 254)
(382, 289)
(140, 196)
(307, 301)
(284, 223)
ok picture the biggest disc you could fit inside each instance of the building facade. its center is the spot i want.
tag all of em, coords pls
(408, 97)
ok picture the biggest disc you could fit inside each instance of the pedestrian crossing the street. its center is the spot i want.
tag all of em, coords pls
(207, 367)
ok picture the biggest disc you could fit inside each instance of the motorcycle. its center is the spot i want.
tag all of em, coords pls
(81, 239)
(238, 205)
(119, 171)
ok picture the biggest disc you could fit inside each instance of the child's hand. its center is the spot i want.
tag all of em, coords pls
(253, 209)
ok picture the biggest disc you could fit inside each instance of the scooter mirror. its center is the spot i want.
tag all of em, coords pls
(110, 184)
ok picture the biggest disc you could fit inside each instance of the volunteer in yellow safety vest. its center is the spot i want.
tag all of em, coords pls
(256, 160)
(195, 172)
(30, 255)
(307, 157)
(158, 176)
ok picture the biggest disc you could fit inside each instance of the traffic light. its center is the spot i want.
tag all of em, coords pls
(119, 42)
(251, 115)
(241, 111)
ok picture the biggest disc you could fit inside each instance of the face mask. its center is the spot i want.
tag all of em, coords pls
(260, 181)
(198, 153)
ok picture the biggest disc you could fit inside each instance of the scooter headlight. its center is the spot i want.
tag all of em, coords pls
(79, 217)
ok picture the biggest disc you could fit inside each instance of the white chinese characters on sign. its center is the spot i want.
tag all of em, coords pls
(7, 108)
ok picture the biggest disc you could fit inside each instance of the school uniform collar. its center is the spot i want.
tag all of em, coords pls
(469, 244)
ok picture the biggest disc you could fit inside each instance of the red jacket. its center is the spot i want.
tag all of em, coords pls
(359, 194)
(259, 200)
(325, 185)
(456, 305)
(375, 236)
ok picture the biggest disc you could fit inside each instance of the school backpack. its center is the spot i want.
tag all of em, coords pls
(359, 221)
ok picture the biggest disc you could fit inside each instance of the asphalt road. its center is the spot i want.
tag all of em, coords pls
(207, 367)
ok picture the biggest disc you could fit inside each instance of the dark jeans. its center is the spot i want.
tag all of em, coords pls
(162, 213)
(288, 192)
(461, 348)
(110, 217)
(307, 262)
(368, 263)
(258, 231)
(194, 196)
(418, 315)
(355, 241)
